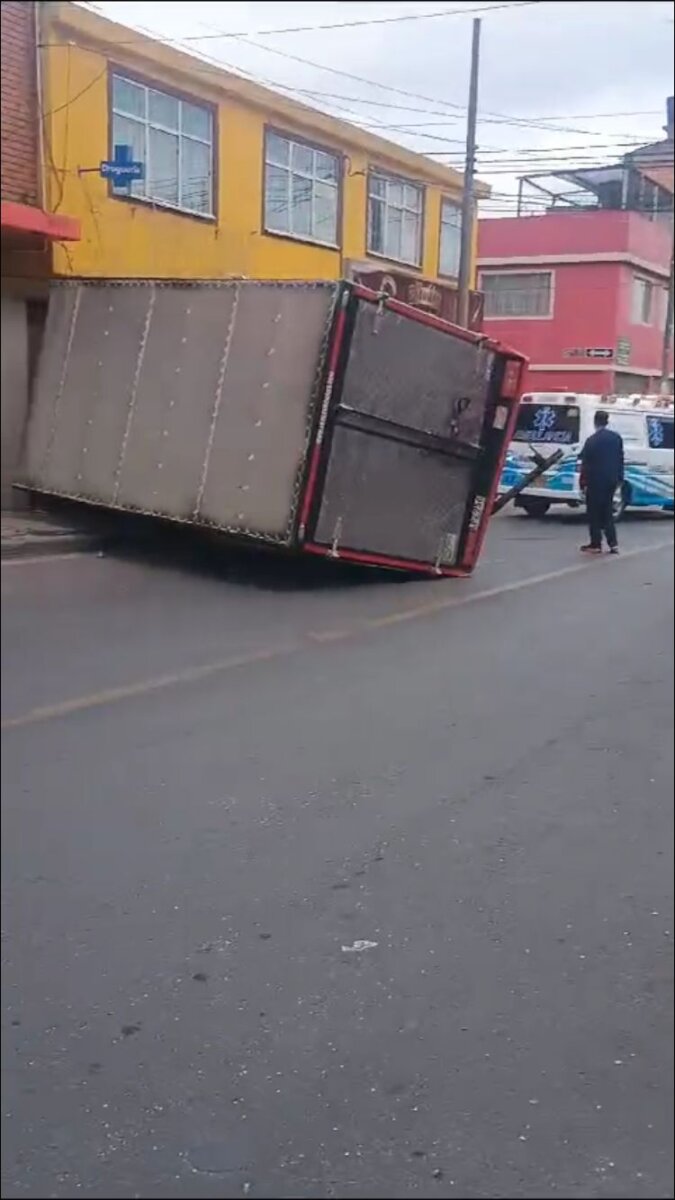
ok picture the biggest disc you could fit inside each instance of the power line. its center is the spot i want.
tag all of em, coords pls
(354, 119)
(451, 117)
(489, 117)
(498, 118)
(359, 23)
(221, 66)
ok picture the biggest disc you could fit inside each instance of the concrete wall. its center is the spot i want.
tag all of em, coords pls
(14, 359)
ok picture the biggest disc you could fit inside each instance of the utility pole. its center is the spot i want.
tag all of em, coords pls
(668, 327)
(468, 199)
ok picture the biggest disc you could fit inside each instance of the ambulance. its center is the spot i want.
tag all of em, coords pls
(549, 421)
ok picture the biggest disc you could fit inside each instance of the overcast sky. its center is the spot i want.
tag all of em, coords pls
(594, 74)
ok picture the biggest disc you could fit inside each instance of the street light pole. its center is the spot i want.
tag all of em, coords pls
(468, 198)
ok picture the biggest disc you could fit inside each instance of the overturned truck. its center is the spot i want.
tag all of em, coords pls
(315, 417)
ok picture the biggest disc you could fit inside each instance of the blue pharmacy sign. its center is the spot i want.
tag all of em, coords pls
(122, 170)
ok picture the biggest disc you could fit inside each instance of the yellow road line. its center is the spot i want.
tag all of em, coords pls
(196, 674)
(143, 687)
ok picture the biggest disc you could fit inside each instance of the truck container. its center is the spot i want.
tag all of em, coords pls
(317, 417)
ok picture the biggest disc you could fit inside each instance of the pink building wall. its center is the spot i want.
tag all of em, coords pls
(594, 258)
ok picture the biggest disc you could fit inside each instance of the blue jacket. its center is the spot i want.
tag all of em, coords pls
(602, 459)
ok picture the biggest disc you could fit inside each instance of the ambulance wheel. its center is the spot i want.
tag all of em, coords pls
(534, 507)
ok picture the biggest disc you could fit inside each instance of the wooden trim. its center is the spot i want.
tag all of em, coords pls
(115, 68)
(299, 139)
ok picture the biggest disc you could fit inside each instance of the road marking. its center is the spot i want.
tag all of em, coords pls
(143, 687)
(503, 589)
(196, 674)
(331, 635)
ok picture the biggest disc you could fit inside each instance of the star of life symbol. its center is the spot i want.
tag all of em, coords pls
(544, 419)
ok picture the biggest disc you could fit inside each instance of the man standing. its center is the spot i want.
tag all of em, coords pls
(601, 475)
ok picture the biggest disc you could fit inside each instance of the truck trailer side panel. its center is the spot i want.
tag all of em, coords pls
(314, 416)
(188, 402)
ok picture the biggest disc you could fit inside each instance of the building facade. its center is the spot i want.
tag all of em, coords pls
(238, 180)
(28, 228)
(584, 287)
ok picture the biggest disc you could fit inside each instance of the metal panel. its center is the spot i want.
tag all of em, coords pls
(101, 362)
(390, 498)
(49, 385)
(397, 482)
(405, 371)
(189, 401)
(170, 415)
(261, 427)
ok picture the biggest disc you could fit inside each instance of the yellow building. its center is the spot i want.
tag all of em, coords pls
(238, 180)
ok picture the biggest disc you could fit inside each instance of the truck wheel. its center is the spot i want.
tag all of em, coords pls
(535, 507)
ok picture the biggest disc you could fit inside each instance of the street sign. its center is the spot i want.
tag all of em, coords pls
(121, 170)
(588, 352)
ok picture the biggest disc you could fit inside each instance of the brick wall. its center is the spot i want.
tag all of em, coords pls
(19, 103)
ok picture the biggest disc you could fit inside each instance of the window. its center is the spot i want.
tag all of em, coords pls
(515, 294)
(553, 424)
(660, 433)
(395, 219)
(451, 238)
(173, 138)
(630, 426)
(642, 301)
(302, 190)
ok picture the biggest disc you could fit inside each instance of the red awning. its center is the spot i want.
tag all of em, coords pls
(25, 218)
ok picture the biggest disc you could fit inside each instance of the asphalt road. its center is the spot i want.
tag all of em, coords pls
(339, 887)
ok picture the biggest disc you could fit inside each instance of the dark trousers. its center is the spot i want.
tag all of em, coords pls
(599, 506)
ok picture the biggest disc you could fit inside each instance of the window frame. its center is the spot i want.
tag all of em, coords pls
(490, 271)
(457, 205)
(153, 85)
(391, 177)
(667, 421)
(653, 304)
(298, 140)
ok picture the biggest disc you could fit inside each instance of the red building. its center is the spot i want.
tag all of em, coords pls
(582, 288)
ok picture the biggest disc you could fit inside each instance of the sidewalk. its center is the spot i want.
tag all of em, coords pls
(30, 534)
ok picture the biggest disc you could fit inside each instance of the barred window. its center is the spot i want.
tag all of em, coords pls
(512, 294)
